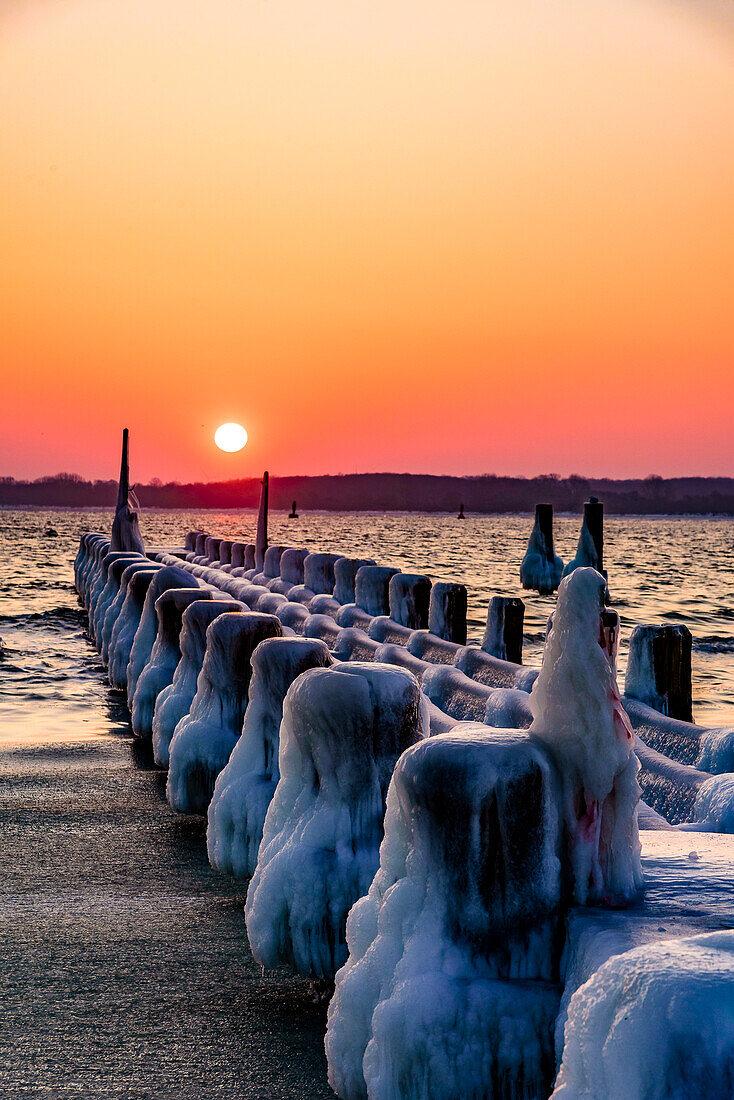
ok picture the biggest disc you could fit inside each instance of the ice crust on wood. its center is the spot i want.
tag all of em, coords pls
(354, 644)
(409, 600)
(244, 789)
(174, 702)
(113, 565)
(659, 669)
(541, 568)
(127, 570)
(319, 573)
(171, 576)
(164, 657)
(503, 635)
(203, 740)
(342, 731)
(125, 526)
(450, 986)
(447, 612)
(345, 575)
(654, 1023)
(127, 622)
(372, 588)
(578, 714)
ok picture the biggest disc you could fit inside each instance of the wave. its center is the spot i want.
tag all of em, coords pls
(713, 644)
(74, 616)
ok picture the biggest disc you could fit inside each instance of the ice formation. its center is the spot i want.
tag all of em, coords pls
(342, 731)
(372, 588)
(349, 614)
(354, 645)
(655, 1023)
(164, 656)
(454, 693)
(659, 669)
(244, 788)
(485, 668)
(203, 740)
(345, 576)
(384, 629)
(324, 627)
(126, 624)
(409, 600)
(82, 555)
(237, 557)
(714, 807)
(225, 552)
(447, 612)
(98, 547)
(578, 714)
(716, 750)
(321, 604)
(126, 571)
(171, 576)
(291, 570)
(269, 603)
(174, 702)
(211, 549)
(508, 708)
(503, 634)
(449, 990)
(271, 565)
(319, 573)
(106, 590)
(586, 552)
(293, 615)
(125, 526)
(541, 568)
(430, 647)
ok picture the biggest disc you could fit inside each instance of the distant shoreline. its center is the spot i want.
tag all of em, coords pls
(425, 493)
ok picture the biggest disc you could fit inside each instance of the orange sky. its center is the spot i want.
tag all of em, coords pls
(384, 235)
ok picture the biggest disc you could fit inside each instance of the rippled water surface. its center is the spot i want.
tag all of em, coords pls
(660, 570)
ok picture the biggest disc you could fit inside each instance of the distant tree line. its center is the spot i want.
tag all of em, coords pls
(393, 492)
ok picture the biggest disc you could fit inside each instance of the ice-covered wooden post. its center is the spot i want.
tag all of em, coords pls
(541, 568)
(125, 528)
(469, 872)
(372, 588)
(203, 740)
(503, 634)
(410, 598)
(261, 538)
(659, 669)
(211, 548)
(447, 612)
(345, 576)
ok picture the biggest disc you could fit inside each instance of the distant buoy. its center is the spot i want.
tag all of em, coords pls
(293, 513)
(461, 512)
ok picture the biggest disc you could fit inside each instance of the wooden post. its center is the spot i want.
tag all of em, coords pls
(659, 669)
(261, 538)
(544, 520)
(594, 520)
(447, 612)
(504, 632)
(124, 486)
(410, 597)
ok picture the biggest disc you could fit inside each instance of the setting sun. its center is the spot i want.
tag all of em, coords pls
(230, 437)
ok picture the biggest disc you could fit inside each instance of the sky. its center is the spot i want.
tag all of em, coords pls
(492, 236)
